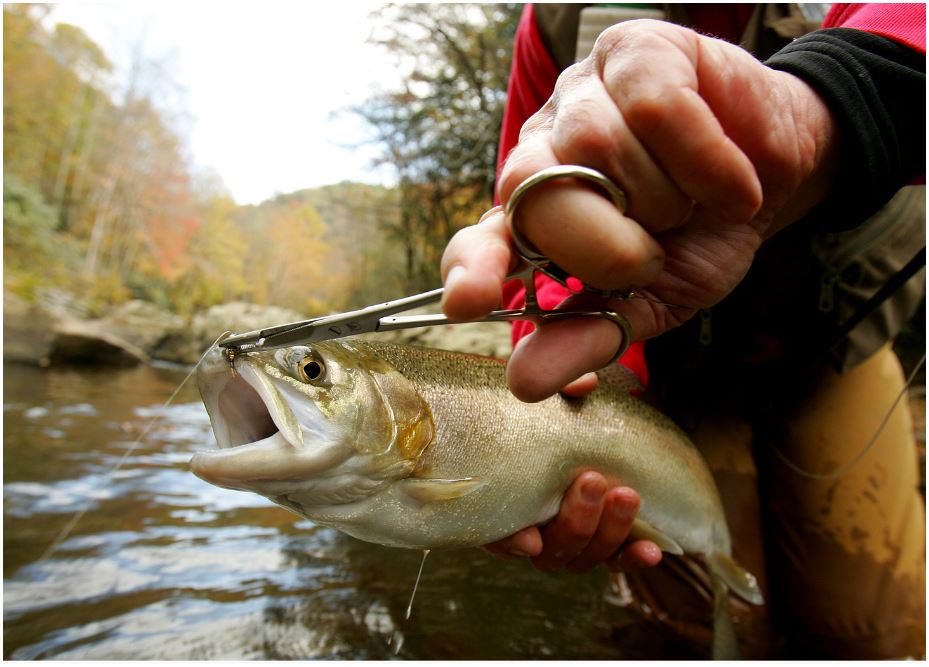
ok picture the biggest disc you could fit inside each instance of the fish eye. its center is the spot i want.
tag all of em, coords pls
(312, 370)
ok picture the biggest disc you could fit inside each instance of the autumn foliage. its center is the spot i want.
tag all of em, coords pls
(101, 200)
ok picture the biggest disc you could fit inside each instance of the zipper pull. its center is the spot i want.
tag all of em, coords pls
(827, 290)
(706, 327)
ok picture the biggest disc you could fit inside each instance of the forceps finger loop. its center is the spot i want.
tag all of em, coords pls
(528, 251)
(625, 329)
(541, 263)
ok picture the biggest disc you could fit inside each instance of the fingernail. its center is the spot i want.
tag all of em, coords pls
(592, 491)
(454, 274)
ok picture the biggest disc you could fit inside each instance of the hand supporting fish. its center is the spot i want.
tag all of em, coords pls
(592, 527)
(428, 449)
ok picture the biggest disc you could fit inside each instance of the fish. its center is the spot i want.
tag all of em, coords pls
(428, 449)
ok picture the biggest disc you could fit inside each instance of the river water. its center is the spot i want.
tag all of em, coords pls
(165, 566)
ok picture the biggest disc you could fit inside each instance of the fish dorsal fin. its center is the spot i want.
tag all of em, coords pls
(620, 379)
(642, 530)
(423, 491)
(739, 580)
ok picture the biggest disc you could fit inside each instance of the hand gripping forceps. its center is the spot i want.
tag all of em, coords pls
(381, 317)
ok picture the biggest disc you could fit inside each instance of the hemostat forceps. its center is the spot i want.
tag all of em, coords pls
(381, 317)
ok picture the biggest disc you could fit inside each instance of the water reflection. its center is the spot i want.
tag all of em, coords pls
(165, 566)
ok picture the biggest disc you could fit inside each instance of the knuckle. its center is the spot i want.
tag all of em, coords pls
(582, 128)
(540, 121)
(622, 265)
(579, 526)
(654, 107)
(629, 38)
(621, 36)
(567, 79)
(522, 163)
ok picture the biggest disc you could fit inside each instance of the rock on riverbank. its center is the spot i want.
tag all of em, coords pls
(44, 335)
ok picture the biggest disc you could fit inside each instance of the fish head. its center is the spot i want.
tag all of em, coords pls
(310, 426)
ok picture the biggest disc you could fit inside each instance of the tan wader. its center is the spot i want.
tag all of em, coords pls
(841, 559)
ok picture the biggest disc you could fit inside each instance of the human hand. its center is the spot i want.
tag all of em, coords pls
(591, 528)
(715, 152)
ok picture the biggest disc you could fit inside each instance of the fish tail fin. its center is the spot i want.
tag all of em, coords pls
(725, 642)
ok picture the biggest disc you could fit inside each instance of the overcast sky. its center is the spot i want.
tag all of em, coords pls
(263, 83)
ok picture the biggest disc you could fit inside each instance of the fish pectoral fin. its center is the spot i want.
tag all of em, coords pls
(423, 491)
(642, 530)
(739, 580)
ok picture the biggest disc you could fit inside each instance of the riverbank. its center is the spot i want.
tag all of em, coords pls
(56, 331)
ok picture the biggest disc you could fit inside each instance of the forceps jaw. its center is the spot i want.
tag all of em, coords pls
(327, 327)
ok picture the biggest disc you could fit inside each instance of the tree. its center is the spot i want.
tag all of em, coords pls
(440, 130)
(112, 170)
(218, 250)
(34, 254)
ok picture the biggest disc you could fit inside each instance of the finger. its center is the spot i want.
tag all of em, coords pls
(635, 556)
(581, 386)
(575, 225)
(620, 506)
(652, 77)
(474, 267)
(523, 544)
(558, 353)
(567, 535)
(589, 130)
(583, 232)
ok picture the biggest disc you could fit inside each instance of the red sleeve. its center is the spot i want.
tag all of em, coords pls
(532, 79)
(902, 22)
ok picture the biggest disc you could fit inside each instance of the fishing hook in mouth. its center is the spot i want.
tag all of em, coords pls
(231, 353)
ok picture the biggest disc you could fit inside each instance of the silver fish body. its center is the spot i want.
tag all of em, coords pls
(428, 449)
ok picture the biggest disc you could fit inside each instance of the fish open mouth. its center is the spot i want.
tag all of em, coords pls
(267, 431)
(245, 416)
(247, 407)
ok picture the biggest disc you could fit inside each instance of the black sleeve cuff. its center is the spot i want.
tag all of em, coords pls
(877, 90)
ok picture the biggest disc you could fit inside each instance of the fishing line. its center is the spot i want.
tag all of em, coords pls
(409, 608)
(855, 461)
(65, 532)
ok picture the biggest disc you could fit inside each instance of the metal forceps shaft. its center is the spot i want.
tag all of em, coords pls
(383, 317)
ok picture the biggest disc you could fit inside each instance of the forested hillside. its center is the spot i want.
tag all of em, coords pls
(100, 199)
